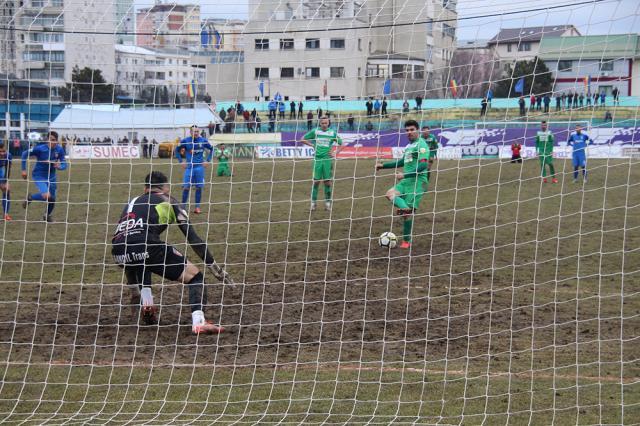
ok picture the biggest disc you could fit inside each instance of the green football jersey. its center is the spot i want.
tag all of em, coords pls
(544, 143)
(414, 153)
(432, 142)
(322, 141)
(223, 155)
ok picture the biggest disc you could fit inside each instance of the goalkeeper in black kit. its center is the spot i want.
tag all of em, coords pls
(138, 248)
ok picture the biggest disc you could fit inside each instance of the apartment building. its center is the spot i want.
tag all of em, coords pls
(168, 25)
(347, 49)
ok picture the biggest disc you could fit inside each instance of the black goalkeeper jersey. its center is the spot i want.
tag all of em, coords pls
(146, 217)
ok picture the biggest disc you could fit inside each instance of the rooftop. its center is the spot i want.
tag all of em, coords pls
(506, 35)
(590, 47)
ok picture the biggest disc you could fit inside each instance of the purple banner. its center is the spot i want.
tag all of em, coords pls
(456, 137)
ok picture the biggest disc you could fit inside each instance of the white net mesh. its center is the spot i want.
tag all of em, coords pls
(516, 302)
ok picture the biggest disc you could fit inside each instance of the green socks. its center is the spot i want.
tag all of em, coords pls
(327, 192)
(406, 229)
(314, 193)
(552, 170)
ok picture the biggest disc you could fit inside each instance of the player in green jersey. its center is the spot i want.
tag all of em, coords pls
(413, 180)
(544, 148)
(432, 142)
(223, 155)
(322, 140)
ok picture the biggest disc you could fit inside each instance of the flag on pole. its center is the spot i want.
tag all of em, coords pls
(587, 84)
(261, 88)
(191, 89)
(324, 89)
(519, 88)
(386, 89)
(219, 39)
(454, 88)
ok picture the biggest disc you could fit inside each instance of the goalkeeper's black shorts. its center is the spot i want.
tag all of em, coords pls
(140, 260)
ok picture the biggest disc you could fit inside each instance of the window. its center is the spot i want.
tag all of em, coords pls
(448, 30)
(449, 4)
(46, 37)
(377, 70)
(312, 72)
(262, 44)
(312, 98)
(524, 47)
(184, 62)
(418, 72)
(337, 72)
(430, 54)
(336, 98)
(286, 44)
(286, 72)
(606, 66)
(184, 74)
(46, 74)
(508, 47)
(49, 56)
(313, 43)
(44, 20)
(430, 27)
(397, 71)
(261, 73)
(337, 43)
(359, 44)
(565, 66)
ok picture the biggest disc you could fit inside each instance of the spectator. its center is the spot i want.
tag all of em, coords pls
(351, 121)
(212, 128)
(575, 100)
(258, 124)
(154, 148)
(309, 120)
(292, 110)
(418, 102)
(532, 102)
(516, 147)
(483, 107)
(145, 147)
(254, 113)
(319, 112)
(405, 106)
(608, 116)
(300, 110)
(376, 107)
(570, 100)
(222, 114)
(384, 107)
(616, 96)
(539, 103)
(273, 106)
(272, 124)
(489, 98)
(588, 99)
(521, 103)
(581, 100)
(603, 98)
(558, 102)
(125, 141)
(596, 96)
(369, 126)
(246, 116)
(547, 102)
(564, 100)
(281, 110)
(369, 106)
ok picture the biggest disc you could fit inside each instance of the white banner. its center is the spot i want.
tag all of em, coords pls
(284, 152)
(104, 152)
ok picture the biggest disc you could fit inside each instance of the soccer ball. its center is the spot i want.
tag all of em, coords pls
(388, 240)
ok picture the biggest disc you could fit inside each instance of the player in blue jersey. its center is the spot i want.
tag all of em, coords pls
(579, 142)
(50, 157)
(191, 149)
(5, 171)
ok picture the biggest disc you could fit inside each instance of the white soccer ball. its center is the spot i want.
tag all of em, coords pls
(388, 240)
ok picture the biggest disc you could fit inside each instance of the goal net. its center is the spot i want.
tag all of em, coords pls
(511, 296)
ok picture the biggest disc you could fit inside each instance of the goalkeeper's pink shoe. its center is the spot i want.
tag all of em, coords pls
(554, 180)
(197, 210)
(405, 245)
(544, 180)
(207, 328)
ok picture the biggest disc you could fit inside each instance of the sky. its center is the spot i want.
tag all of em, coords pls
(606, 17)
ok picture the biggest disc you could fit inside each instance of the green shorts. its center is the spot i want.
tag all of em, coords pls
(223, 169)
(411, 190)
(323, 169)
(545, 159)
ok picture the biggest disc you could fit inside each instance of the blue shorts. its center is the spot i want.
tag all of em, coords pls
(193, 176)
(3, 176)
(579, 159)
(46, 185)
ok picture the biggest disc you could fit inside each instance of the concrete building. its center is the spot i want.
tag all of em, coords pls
(224, 35)
(141, 69)
(610, 60)
(168, 25)
(519, 44)
(345, 49)
(125, 22)
(224, 74)
(7, 37)
(64, 34)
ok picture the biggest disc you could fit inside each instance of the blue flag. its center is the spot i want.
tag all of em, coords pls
(520, 86)
(386, 89)
(218, 39)
(489, 94)
(261, 88)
